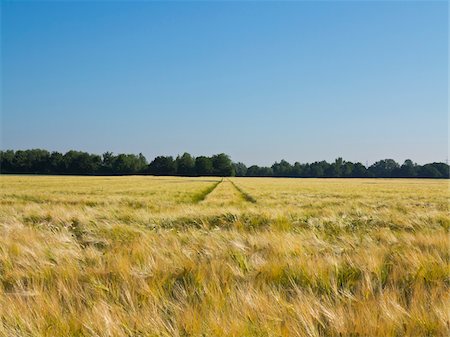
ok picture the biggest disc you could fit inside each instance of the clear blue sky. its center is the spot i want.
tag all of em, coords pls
(261, 81)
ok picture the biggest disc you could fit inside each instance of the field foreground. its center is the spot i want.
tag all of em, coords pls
(168, 256)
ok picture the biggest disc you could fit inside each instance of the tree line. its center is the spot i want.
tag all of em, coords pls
(39, 161)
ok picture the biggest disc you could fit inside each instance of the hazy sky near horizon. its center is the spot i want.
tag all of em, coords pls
(260, 81)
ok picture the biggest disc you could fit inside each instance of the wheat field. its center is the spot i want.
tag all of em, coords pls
(172, 256)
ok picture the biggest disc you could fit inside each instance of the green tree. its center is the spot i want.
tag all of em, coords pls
(359, 171)
(222, 165)
(407, 170)
(77, 162)
(429, 171)
(240, 169)
(282, 169)
(185, 165)
(163, 166)
(203, 166)
(318, 169)
(57, 164)
(256, 171)
(108, 159)
(383, 168)
(129, 163)
(7, 161)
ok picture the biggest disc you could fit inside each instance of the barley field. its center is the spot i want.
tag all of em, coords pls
(172, 256)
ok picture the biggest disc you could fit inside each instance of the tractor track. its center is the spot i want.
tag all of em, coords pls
(199, 197)
(246, 196)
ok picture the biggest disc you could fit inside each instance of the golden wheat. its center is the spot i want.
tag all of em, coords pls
(168, 256)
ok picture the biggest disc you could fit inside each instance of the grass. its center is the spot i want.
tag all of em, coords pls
(168, 256)
(203, 194)
(245, 195)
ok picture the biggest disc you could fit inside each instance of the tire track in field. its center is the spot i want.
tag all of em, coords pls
(199, 197)
(246, 196)
(225, 195)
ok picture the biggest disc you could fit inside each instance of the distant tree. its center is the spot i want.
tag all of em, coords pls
(256, 171)
(443, 169)
(318, 169)
(331, 171)
(359, 171)
(306, 171)
(31, 161)
(185, 165)
(57, 164)
(429, 171)
(142, 162)
(253, 171)
(122, 164)
(407, 170)
(338, 167)
(7, 161)
(163, 166)
(383, 168)
(408, 163)
(129, 163)
(39, 160)
(78, 162)
(203, 166)
(108, 159)
(240, 169)
(282, 169)
(297, 170)
(222, 165)
(21, 162)
(347, 169)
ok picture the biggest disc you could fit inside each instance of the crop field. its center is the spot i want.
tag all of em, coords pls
(172, 256)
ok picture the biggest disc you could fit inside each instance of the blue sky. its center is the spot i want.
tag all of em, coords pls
(261, 81)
